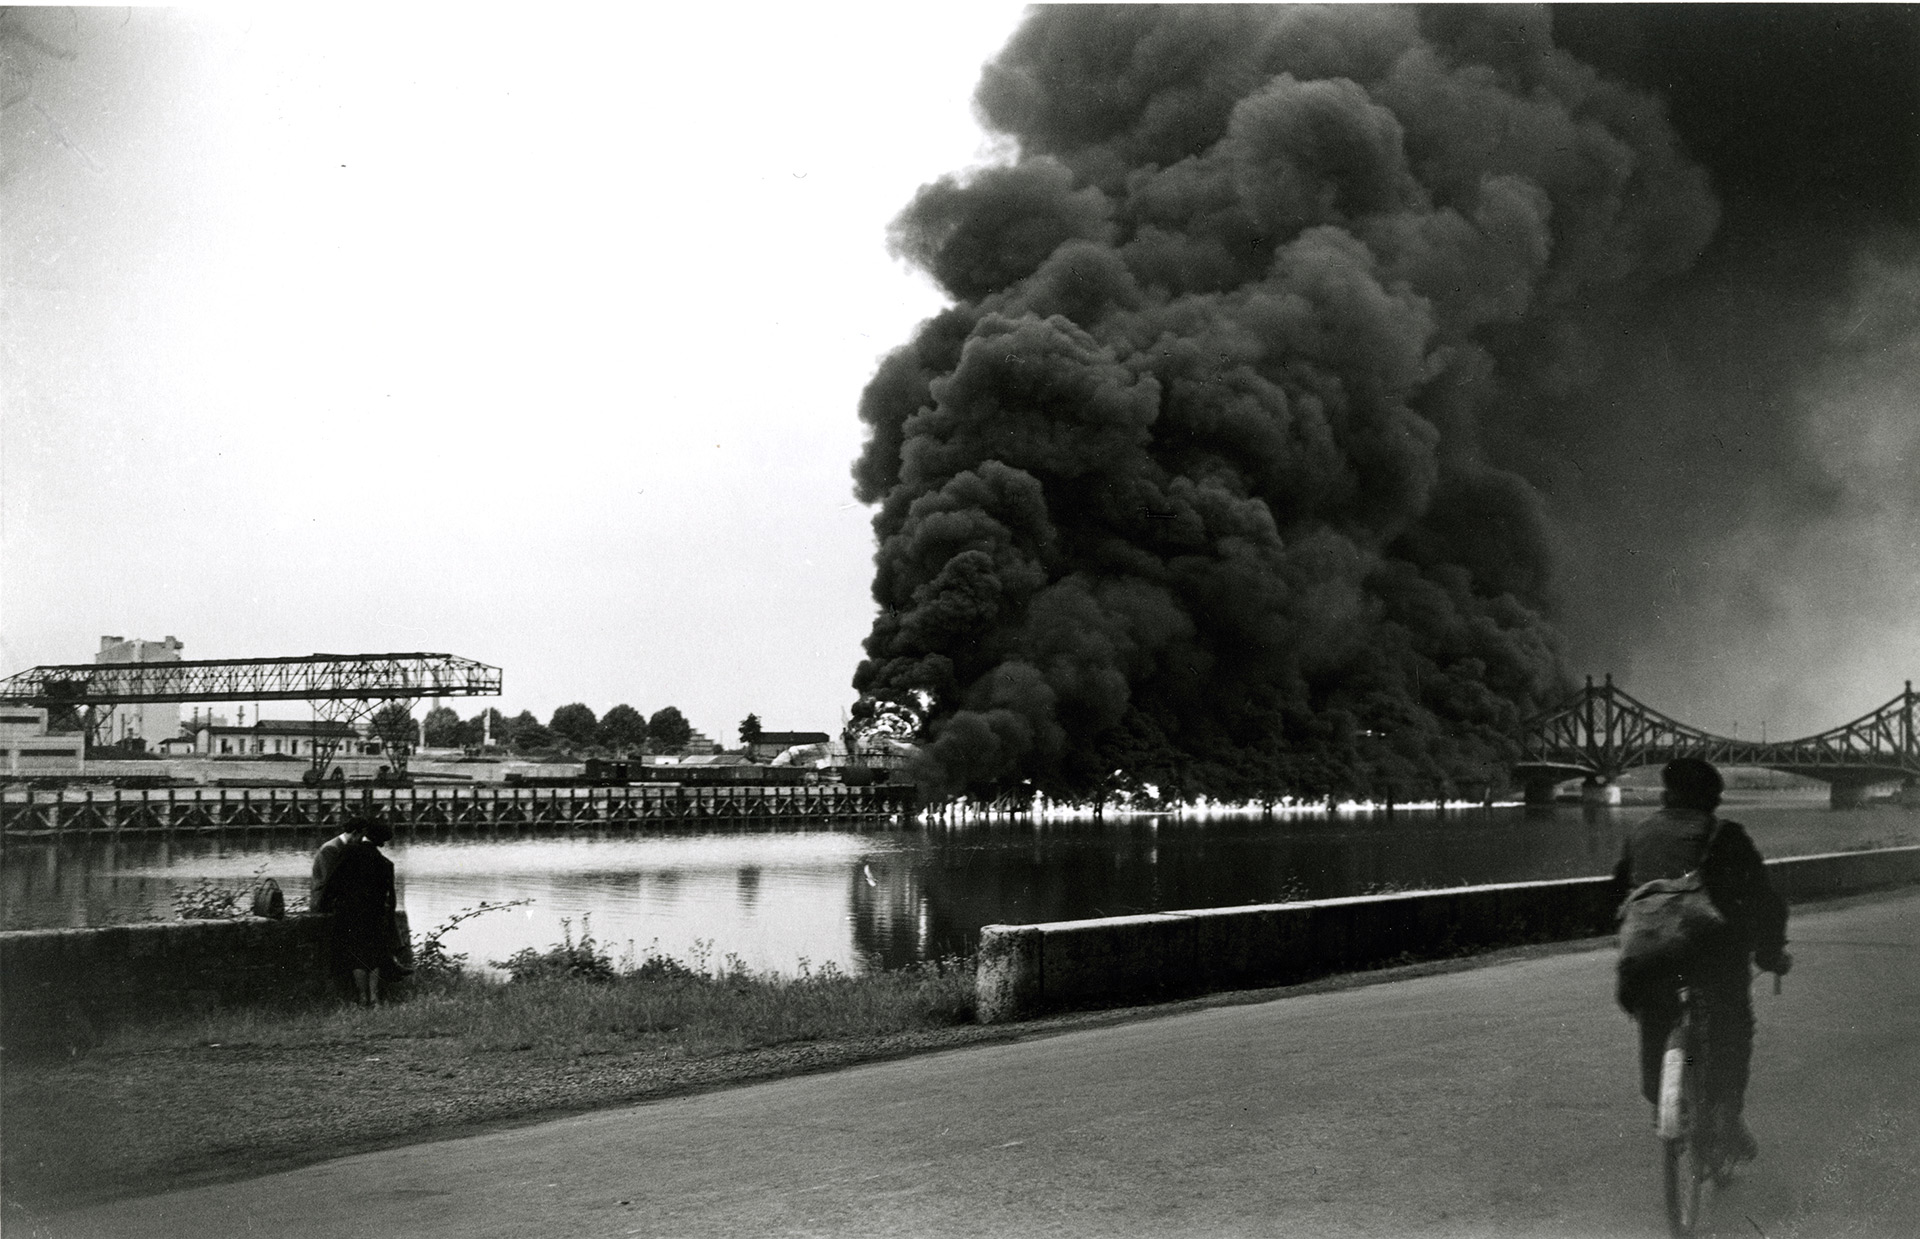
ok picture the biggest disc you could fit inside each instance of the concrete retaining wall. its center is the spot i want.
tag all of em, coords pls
(1028, 969)
(65, 985)
(1833, 874)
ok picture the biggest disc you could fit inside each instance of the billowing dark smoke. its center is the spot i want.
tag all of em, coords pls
(1236, 466)
(1744, 518)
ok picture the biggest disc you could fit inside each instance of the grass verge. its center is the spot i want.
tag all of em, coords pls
(240, 1092)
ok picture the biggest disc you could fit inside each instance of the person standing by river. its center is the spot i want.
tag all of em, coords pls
(328, 857)
(360, 895)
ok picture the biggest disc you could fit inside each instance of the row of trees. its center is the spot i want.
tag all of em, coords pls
(622, 732)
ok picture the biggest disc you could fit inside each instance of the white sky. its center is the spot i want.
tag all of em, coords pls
(533, 337)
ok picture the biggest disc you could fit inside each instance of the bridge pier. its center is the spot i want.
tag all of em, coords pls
(1910, 794)
(1538, 788)
(1847, 795)
(1599, 791)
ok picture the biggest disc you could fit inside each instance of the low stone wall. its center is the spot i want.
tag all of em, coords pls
(1028, 969)
(1833, 874)
(66, 985)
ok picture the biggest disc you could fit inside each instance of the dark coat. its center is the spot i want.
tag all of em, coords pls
(1673, 842)
(360, 894)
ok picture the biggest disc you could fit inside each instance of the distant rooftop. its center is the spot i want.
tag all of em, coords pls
(788, 739)
(284, 727)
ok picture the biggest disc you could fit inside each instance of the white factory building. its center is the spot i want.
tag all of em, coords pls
(152, 722)
(26, 750)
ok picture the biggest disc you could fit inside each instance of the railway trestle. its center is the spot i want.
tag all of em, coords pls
(44, 812)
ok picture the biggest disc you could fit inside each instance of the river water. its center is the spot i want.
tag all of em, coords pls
(863, 897)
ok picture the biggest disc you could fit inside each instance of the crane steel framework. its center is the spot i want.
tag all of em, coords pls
(1601, 732)
(342, 687)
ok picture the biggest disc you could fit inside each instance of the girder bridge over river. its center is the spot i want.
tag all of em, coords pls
(1601, 732)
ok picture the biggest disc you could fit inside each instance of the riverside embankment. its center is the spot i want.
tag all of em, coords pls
(861, 896)
(1489, 1100)
(1028, 969)
(63, 983)
(158, 1102)
(214, 1097)
(67, 986)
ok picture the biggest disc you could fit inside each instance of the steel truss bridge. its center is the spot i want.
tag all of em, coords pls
(1601, 732)
(343, 688)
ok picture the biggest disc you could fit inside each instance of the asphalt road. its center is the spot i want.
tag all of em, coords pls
(1492, 1102)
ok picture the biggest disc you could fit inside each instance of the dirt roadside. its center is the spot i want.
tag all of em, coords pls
(106, 1125)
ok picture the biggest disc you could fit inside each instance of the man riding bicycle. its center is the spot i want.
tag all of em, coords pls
(1682, 837)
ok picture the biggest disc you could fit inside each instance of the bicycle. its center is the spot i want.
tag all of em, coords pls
(1688, 1119)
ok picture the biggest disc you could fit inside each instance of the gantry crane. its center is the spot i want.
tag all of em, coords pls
(343, 688)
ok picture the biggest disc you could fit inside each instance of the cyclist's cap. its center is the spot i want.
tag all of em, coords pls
(1693, 781)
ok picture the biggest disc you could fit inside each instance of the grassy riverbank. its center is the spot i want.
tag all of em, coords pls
(241, 1092)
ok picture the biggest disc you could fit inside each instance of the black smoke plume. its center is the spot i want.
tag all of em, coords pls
(1744, 518)
(1240, 464)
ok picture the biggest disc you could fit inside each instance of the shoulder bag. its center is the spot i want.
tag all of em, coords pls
(1668, 923)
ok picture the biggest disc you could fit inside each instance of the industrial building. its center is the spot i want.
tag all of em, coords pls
(147, 721)
(27, 751)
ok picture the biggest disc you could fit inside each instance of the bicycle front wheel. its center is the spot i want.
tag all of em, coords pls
(1686, 1179)
(1683, 1135)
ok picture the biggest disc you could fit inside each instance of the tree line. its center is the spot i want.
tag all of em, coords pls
(621, 732)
